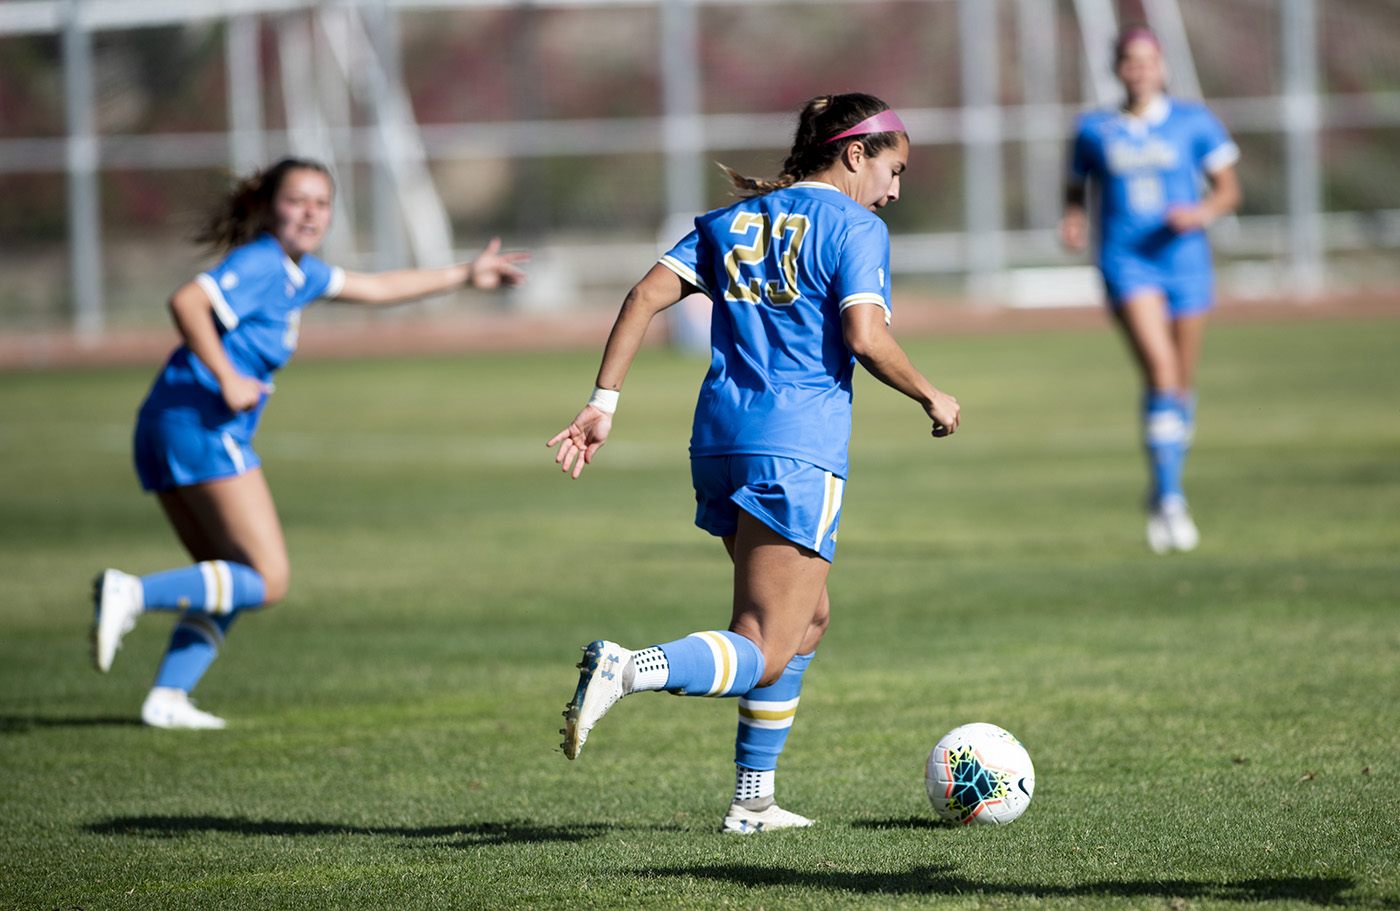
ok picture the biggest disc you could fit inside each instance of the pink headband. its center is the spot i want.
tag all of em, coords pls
(883, 122)
(1134, 34)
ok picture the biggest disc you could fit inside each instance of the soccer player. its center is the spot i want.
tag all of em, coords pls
(798, 276)
(1149, 160)
(194, 433)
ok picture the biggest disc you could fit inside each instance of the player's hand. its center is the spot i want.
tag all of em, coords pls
(492, 268)
(1184, 219)
(580, 440)
(243, 393)
(1074, 230)
(945, 414)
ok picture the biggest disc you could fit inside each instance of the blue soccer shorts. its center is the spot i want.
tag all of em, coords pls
(174, 453)
(1186, 294)
(796, 499)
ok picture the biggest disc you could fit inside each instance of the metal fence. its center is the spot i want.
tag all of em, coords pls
(1018, 71)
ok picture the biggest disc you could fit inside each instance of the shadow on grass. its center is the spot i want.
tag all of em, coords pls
(941, 880)
(908, 822)
(19, 724)
(470, 835)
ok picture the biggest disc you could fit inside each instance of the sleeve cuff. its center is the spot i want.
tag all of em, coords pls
(866, 297)
(1221, 158)
(336, 283)
(685, 272)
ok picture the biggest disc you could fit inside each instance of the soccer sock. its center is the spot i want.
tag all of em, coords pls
(1186, 401)
(713, 663)
(754, 788)
(765, 718)
(194, 644)
(1165, 435)
(650, 670)
(210, 587)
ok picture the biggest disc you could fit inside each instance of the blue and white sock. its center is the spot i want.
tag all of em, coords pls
(194, 644)
(1186, 401)
(765, 718)
(711, 663)
(210, 587)
(1164, 429)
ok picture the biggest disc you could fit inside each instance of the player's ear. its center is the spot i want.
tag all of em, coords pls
(854, 154)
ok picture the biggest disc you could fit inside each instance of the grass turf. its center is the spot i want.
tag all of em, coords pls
(1217, 730)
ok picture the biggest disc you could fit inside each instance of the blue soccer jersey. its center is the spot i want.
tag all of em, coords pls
(257, 294)
(1145, 166)
(780, 268)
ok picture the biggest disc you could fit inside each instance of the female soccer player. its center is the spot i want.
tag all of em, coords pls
(1148, 160)
(798, 274)
(194, 433)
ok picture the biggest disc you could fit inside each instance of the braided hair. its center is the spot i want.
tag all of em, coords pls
(812, 149)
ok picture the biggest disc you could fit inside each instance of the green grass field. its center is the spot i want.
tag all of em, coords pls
(1215, 730)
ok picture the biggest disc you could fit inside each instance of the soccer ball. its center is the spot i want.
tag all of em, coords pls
(979, 773)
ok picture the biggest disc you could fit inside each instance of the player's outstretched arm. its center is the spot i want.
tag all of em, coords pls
(490, 269)
(871, 342)
(581, 440)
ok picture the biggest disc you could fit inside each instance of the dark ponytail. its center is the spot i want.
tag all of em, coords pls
(812, 149)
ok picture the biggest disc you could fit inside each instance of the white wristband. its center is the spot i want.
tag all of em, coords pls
(604, 399)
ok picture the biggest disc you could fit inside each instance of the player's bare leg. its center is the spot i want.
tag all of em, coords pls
(1157, 345)
(780, 603)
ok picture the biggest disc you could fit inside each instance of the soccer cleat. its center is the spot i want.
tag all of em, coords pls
(1170, 527)
(741, 821)
(117, 602)
(1159, 535)
(599, 687)
(1185, 535)
(172, 708)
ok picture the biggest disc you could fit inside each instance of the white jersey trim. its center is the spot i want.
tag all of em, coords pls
(684, 271)
(1223, 157)
(294, 272)
(866, 297)
(336, 284)
(222, 310)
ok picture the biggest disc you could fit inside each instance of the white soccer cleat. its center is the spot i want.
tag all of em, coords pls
(741, 821)
(1170, 527)
(117, 600)
(1185, 535)
(1159, 535)
(172, 708)
(599, 687)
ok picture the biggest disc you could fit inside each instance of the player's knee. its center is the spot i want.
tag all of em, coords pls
(771, 675)
(275, 580)
(774, 663)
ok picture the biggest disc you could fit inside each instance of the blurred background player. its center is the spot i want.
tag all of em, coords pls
(1149, 160)
(194, 433)
(798, 274)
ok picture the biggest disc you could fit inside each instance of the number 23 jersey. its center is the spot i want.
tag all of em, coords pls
(779, 270)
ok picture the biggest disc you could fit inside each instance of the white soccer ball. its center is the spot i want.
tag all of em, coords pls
(979, 774)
